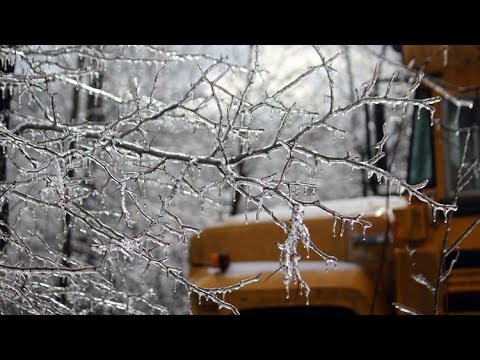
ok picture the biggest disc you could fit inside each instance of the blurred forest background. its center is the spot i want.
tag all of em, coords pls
(98, 92)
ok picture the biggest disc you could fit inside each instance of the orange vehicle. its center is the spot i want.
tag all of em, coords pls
(402, 249)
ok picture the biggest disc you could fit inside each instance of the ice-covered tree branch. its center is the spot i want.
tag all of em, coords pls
(168, 141)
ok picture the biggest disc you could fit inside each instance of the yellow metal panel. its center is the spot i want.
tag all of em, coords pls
(350, 289)
(258, 241)
(408, 291)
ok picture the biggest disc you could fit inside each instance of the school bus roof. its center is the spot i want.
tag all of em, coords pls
(369, 205)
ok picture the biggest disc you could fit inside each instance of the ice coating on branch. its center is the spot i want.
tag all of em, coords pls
(422, 280)
(406, 309)
(118, 153)
(369, 205)
(289, 256)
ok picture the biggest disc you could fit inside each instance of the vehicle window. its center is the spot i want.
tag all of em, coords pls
(420, 164)
(457, 123)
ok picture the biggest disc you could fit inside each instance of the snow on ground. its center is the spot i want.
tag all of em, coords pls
(247, 268)
(369, 205)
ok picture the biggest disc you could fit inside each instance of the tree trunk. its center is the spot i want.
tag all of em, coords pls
(237, 200)
(94, 113)
(242, 171)
(5, 98)
(368, 150)
(95, 103)
(355, 120)
(67, 244)
(379, 120)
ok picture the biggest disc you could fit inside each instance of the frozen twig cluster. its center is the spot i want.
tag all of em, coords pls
(117, 183)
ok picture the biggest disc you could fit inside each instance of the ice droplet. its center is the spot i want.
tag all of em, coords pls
(342, 228)
(445, 215)
(246, 216)
(259, 208)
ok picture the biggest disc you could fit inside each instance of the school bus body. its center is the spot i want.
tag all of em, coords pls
(372, 271)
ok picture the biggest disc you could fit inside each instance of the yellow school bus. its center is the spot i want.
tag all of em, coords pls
(379, 271)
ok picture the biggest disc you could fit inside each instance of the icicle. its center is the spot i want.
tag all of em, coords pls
(334, 225)
(364, 230)
(434, 213)
(331, 261)
(405, 309)
(246, 210)
(259, 208)
(445, 215)
(342, 227)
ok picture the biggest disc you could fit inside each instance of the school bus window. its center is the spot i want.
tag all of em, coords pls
(420, 165)
(457, 124)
